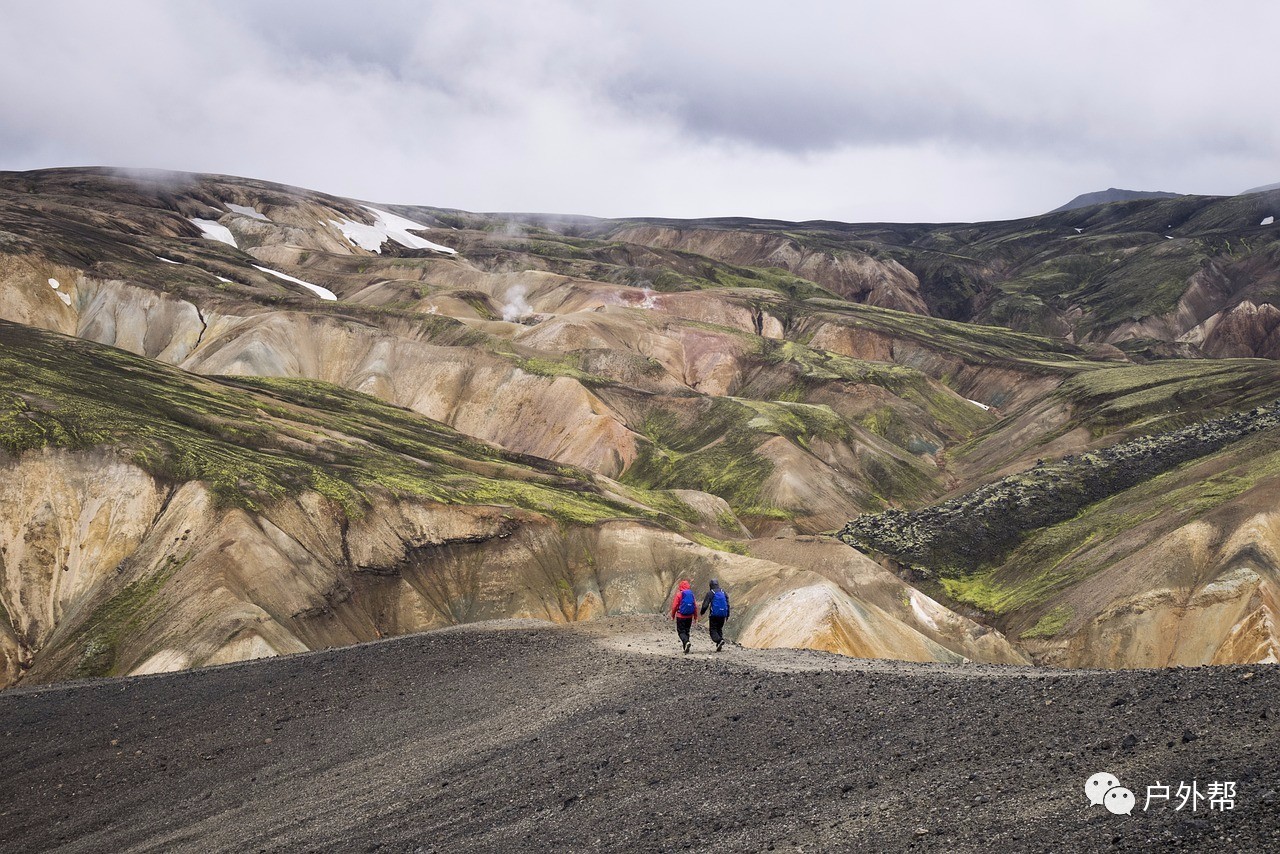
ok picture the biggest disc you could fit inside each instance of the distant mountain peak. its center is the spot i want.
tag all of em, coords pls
(1112, 194)
(1264, 188)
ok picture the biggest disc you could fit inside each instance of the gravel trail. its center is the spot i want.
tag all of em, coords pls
(601, 736)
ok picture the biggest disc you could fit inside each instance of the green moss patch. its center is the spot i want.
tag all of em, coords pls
(1049, 625)
(120, 616)
(711, 449)
(258, 440)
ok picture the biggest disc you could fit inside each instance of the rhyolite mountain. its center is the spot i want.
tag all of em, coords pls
(241, 419)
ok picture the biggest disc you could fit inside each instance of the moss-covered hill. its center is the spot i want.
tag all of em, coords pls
(256, 440)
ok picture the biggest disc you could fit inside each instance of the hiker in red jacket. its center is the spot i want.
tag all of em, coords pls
(684, 610)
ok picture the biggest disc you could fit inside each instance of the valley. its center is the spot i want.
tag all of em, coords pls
(240, 420)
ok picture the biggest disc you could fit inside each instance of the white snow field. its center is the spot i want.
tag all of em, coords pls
(323, 293)
(216, 231)
(1267, 220)
(387, 226)
(246, 211)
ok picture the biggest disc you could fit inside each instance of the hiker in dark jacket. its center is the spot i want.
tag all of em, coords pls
(717, 602)
(684, 610)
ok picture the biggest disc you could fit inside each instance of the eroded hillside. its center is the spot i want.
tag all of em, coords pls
(154, 520)
(328, 421)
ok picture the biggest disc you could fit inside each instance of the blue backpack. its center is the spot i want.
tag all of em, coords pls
(688, 603)
(719, 603)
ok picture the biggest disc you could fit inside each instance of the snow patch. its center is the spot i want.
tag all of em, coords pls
(221, 279)
(1079, 230)
(1267, 220)
(1168, 237)
(982, 406)
(167, 261)
(215, 231)
(66, 298)
(386, 226)
(247, 211)
(323, 293)
(516, 305)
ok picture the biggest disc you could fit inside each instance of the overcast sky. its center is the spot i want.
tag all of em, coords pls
(906, 111)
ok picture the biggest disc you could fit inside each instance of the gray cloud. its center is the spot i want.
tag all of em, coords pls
(859, 111)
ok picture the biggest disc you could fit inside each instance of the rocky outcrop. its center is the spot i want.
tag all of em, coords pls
(981, 527)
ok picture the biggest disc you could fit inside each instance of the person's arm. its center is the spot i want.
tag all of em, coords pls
(706, 602)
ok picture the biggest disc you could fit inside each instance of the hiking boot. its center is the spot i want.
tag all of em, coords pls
(719, 646)
(687, 645)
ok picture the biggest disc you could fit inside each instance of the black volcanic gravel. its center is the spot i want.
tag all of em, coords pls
(546, 739)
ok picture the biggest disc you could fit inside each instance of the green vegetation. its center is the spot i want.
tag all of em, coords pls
(121, 616)
(727, 521)
(1112, 283)
(258, 440)
(819, 366)
(1056, 557)
(662, 270)
(769, 278)
(565, 366)
(1146, 282)
(711, 449)
(1050, 624)
(982, 344)
(731, 546)
(1041, 517)
(1166, 395)
(799, 422)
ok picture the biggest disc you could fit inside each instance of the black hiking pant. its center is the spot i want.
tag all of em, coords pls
(717, 629)
(683, 624)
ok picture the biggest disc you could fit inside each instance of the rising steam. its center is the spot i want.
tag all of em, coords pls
(516, 306)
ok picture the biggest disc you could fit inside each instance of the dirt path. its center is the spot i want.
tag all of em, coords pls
(654, 636)
(603, 737)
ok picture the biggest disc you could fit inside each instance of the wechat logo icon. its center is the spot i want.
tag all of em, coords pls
(1104, 789)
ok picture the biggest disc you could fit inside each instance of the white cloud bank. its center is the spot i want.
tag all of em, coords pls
(859, 111)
